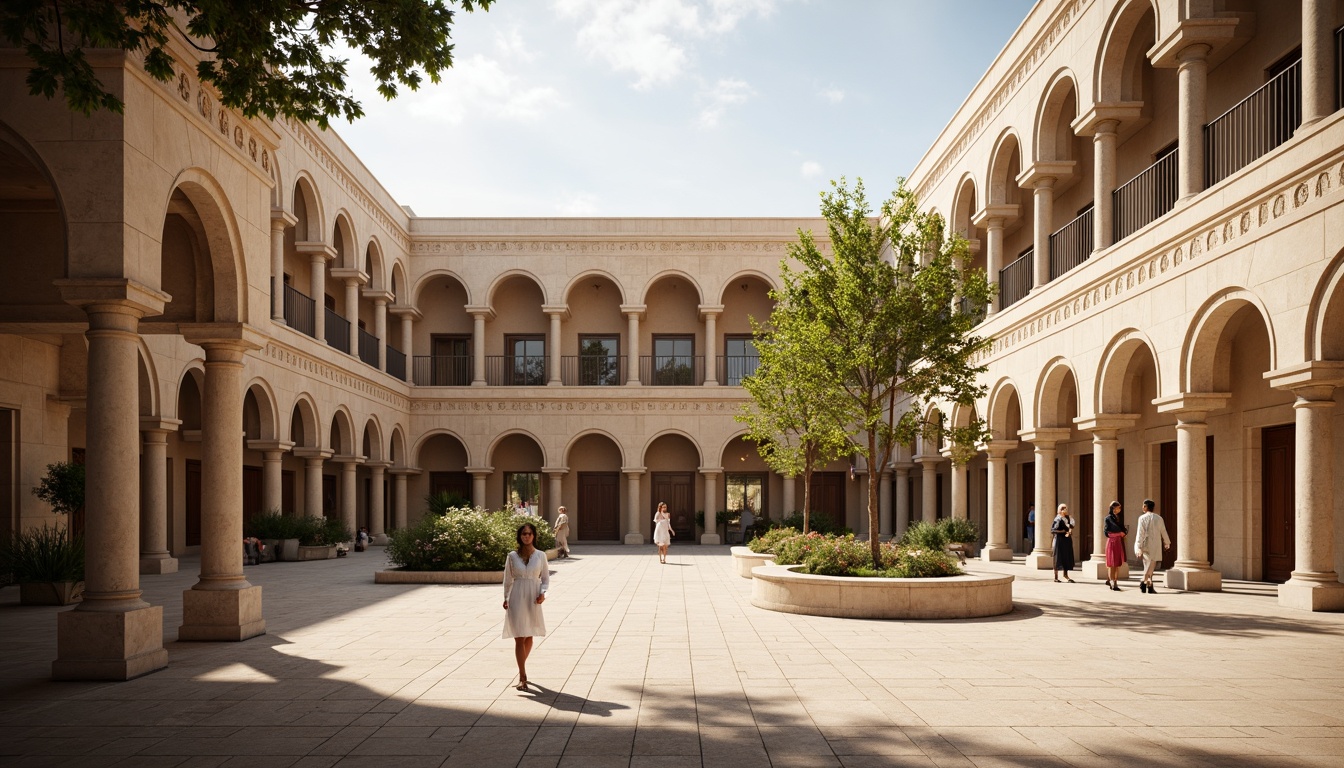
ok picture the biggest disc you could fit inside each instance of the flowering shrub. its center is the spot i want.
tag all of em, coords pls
(462, 539)
(767, 541)
(828, 555)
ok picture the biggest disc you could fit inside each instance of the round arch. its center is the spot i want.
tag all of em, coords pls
(268, 416)
(1048, 144)
(999, 177)
(743, 274)
(344, 241)
(304, 412)
(964, 206)
(342, 432)
(1120, 353)
(569, 446)
(669, 273)
(429, 277)
(372, 439)
(1205, 362)
(511, 274)
(401, 293)
(699, 452)
(374, 265)
(396, 448)
(189, 413)
(589, 274)
(501, 437)
(1049, 388)
(151, 401)
(425, 438)
(313, 219)
(1324, 332)
(1002, 400)
(223, 242)
(1116, 54)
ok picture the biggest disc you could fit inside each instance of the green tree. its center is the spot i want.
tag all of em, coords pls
(264, 57)
(791, 416)
(894, 340)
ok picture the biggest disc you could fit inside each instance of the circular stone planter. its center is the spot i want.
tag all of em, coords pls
(970, 596)
(399, 576)
(744, 560)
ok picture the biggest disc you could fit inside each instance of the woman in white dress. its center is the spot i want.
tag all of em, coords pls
(526, 579)
(662, 531)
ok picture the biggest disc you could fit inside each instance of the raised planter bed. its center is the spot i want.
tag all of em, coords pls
(744, 560)
(971, 596)
(398, 576)
(316, 553)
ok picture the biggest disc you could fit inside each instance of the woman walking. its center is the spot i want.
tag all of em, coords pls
(526, 579)
(662, 531)
(1062, 530)
(1116, 531)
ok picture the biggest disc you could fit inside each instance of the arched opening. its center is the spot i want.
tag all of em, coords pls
(673, 462)
(748, 490)
(1057, 145)
(594, 344)
(1015, 275)
(34, 225)
(595, 496)
(444, 332)
(517, 481)
(443, 458)
(516, 345)
(672, 344)
(744, 298)
(1019, 482)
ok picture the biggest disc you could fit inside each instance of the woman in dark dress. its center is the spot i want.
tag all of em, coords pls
(1116, 530)
(1062, 530)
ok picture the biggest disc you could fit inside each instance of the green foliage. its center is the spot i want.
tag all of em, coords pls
(819, 522)
(264, 57)
(320, 532)
(49, 553)
(919, 563)
(843, 556)
(62, 487)
(766, 542)
(443, 501)
(274, 525)
(925, 536)
(463, 540)
(959, 530)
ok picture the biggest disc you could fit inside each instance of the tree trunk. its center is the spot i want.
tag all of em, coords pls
(875, 544)
(807, 496)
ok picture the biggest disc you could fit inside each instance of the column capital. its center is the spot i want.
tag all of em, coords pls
(350, 275)
(990, 214)
(159, 424)
(313, 453)
(349, 461)
(236, 337)
(559, 471)
(316, 249)
(378, 465)
(998, 449)
(1045, 437)
(480, 310)
(405, 471)
(270, 445)
(633, 309)
(1043, 174)
(929, 459)
(902, 467)
(634, 470)
(1195, 39)
(1315, 380)
(112, 294)
(377, 295)
(1104, 118)
(1103, 422)
(1192, 407)
(405, 311)
(710, 310)
(478, 471)
(556, 309)
(707, 471)
(282, 219)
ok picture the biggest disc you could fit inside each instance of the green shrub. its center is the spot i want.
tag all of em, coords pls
(49, 553)
(462, 540)
(924, 535)
(62, 487)
(443, 501)
(827, 555)
(766, 542)
(837, 556)
(321, 532)
(817, 521)
(959, 530)
(923, 563)
(273, 525)
(792, 549)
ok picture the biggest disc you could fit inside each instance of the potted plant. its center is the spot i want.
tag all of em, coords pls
(318, 537)
(276, 530)
(47, 563)
(961, 535)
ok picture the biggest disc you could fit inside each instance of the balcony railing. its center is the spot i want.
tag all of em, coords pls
(592, 370)
(368, 347)
(672, 370)
(299, 312)
(734, 368)
(1254, 127)
(1071, 245)
(441, 370)
(396, 362)
(1015, 280)
(516, 370)
(338, 331)
(1146, 197)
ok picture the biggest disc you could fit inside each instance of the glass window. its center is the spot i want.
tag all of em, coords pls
(450, 361)
(526, 363)
(745, 492)
(599, 360)
(522, 492)
(740, 359)
(674, 360)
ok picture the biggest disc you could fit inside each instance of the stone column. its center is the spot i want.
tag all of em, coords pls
(710, 314)
(1318, 58)
(633, 533)
(1042, 556)
(352, 278)
(112, 634)
(1105, 487)
(711, 534)
(902, 491)
(556, 313)
(884, 505)
(1044, 195)
(380, 330)
(349, 490)
(154, 555)
(556, 476)
(399, 496)
(272, 472)
(1192, 571)
(958, 487)
(478, 476)
(312, 479)
(993, 260)
(790, 488)
(1192, 81)
(996, 538)
(222, 605)
(478, 317)
(317, 283)
(280, 221)
(1314, 584)
(1103, 183)
(632, 312)
(929, 487)
(378, 476)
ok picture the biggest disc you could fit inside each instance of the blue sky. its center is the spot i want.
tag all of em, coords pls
(677, 107)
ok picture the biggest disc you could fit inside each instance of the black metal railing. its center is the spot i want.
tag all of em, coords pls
(1071, 244)
(672, 370)
(368, 347)
(299, 312)
(734, 368)
(1015, 280)
(592, 370)
(396, 362)
(1255, 126)
(338, 331)
(442, 370)
(516, 370)
(1146, 197)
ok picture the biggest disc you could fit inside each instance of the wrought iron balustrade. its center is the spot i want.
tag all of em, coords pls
(516, 370)
(1255, 126)
(734, 368)
(1015, 280)
(441, 370)
(672, 370)
(396, 362)
(338, 331)
(592, 370)
(1145, 198)
(368, 347)
(299, 311)
(1071, 244)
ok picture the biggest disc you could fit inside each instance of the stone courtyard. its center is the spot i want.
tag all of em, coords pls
(667, 666)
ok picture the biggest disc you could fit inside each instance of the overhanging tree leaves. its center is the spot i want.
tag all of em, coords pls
(793, 396)
(264, 57)
(894, 341)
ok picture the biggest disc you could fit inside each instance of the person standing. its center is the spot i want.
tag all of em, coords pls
(1149, 542)
(1031, 526)
(1116, 531)
(526, 580)
(562, 532)
(662, 531)
(1062, 531)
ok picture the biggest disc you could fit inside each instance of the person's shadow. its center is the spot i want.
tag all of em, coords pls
(570, 703)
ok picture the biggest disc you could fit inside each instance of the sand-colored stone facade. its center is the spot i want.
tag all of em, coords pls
(222, 316)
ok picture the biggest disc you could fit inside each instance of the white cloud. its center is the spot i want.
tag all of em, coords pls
(578, 204)
(810, 169)
(833, 95)
(651, 39)
(511, 46)
(722, 95)
(480, 87)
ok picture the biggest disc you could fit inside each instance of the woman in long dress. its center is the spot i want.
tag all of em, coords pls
(1116, 531)
(662, 531)
(526, 579)
(1062, 529)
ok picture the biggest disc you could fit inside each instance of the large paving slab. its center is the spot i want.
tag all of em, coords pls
(652, 665)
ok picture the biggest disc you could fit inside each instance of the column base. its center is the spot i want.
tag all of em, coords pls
(710, 538)
(1040, 561)
(380, 540)
(1194, 579)
(158, 565)
(221, 615)
(634, 538)
(92, 645)
(996, 553)
(1307, 595)
(1096, 569)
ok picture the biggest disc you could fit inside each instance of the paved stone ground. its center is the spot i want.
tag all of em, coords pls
(666, 666)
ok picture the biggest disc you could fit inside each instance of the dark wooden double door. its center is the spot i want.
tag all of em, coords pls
(677, 490)
(598, 517)
(828, 495)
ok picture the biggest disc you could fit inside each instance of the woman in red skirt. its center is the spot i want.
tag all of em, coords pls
(1116, 531)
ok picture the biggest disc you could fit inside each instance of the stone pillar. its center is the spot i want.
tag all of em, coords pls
(1103, 183)
(865, 524)
(929, 487)
(632, 312)
(556, 476)
(958, 487)
(280, 221)
(1044, 194)
(1192, 80)
(790, 501)
(996, 538)
(633, 533)
(1314, 584)
(478, 476)
(478, 317)
(710, 314)
(154, 555)
(993, 260)
(317, 283)
(378, 476)
(902, 491)
(222, 605)
(399, 497)
(1192, 571)
(312, 479)
(112, 634)
(380, 330)
(711, 534)
(556, 313)
(272, 472)
(884, 505)
(1318, 58)
(1105, 488)
(1042, 556)
(352, 279)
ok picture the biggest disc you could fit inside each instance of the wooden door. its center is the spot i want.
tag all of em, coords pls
(599, 512)
(1028, 501)
(251, 493)
(193, 503)
(938, 497)
(828, 495)
(1085, 510)
(1277, 500)
(1208, 491)
(677, 489)
(1166, 498)
(330, 509)
(287, 491)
